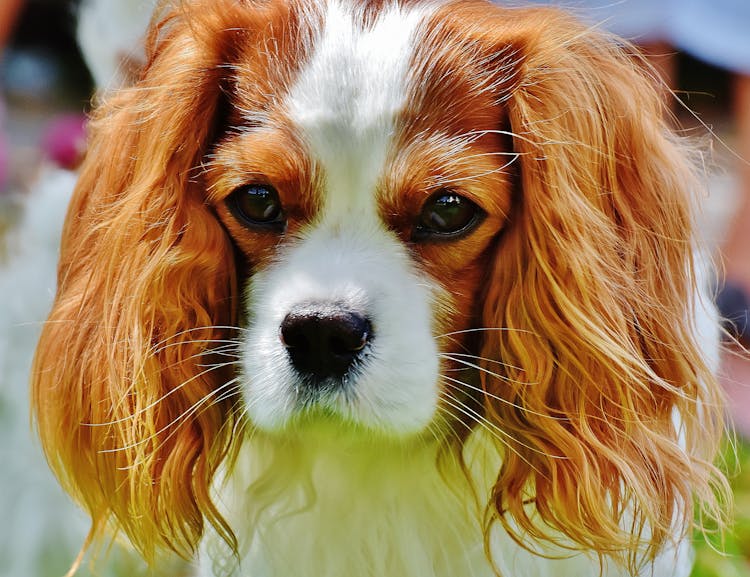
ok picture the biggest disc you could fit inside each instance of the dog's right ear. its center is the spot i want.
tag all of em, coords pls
(134, 412)
(595, 292)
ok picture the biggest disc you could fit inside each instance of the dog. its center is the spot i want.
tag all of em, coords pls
(379, 288)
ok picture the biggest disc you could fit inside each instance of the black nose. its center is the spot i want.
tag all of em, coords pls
(324, 339)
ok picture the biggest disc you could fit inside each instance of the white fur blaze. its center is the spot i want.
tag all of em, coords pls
(344, 104)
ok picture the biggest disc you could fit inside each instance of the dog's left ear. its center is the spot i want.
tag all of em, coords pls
(612, 412)
(134, 411)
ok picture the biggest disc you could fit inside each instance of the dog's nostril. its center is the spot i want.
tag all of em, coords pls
(324, 339)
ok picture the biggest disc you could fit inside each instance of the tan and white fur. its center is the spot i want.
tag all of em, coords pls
(482, 215)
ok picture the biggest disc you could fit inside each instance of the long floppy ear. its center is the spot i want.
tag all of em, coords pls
(133, 410)
(594, 291)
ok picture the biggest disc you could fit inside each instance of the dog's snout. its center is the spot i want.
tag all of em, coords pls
(324, 339)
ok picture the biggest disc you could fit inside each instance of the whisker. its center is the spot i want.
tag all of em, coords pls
(206, 353)
(229, 346)
(189, 412)
(160, 399)
(480, 358)
(442, 409)
(193, 329)
(223, 351)
(484, 329)
(481, 419)
(240, 420)
(229, 393)
(158, 348)
(504, 401)
(487, 371)
(236, 362)
(493, 429)
(477, 417)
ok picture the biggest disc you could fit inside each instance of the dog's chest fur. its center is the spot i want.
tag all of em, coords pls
(345, 508)
(349, 510)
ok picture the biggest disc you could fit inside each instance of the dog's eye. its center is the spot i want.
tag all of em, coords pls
(447, 215)
(256, 205)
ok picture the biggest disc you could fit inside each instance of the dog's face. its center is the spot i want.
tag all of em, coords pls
(365, 200)
(410, 220)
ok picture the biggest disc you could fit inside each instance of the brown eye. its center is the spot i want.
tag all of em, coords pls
(257, 205)
(447, 215)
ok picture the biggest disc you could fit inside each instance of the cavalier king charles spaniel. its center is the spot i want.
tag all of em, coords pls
(385, 288)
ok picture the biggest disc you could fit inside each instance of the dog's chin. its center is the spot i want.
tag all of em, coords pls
(323, 427)
(340, 408)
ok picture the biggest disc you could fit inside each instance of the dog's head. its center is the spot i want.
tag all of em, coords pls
(409, 219)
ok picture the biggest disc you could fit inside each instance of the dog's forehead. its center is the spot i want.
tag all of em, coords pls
(355, 80)
(347, 97)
